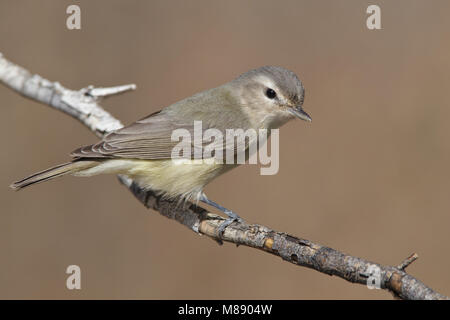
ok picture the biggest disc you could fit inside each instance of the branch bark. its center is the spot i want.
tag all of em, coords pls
(83, 105)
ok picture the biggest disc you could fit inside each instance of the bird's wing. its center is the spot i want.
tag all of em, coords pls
(148, 138)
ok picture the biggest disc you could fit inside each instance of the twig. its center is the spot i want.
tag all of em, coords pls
(408, 261)
(83, 106)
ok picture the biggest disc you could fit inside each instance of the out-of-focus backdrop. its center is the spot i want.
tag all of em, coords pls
(369, 176)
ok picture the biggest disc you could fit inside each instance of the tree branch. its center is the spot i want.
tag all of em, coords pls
(83, 106)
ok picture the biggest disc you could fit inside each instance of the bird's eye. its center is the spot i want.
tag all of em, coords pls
(270, 93)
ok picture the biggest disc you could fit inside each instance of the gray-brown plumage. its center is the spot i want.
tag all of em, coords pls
(263, 98)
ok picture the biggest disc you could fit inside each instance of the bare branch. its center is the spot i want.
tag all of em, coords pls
(405, 264)
(83, 106)
(104, 92)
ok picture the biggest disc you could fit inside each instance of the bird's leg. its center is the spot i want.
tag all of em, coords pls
(231, 215)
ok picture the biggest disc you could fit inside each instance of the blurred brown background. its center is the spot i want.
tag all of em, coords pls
(369, 176)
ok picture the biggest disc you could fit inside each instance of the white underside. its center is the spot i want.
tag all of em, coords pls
(173, 179)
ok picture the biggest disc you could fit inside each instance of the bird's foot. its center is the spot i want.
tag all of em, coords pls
(232, 217)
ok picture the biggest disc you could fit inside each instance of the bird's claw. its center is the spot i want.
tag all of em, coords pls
(232, 217)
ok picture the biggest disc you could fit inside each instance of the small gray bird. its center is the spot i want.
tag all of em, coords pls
(264, 98)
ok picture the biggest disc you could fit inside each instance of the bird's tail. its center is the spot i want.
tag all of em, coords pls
(58, 171)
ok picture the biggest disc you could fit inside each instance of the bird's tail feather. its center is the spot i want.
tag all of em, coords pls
(58, 171)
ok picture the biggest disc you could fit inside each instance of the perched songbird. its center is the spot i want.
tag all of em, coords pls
(264, 98)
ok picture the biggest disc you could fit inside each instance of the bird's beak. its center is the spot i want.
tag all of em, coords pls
(300, 113)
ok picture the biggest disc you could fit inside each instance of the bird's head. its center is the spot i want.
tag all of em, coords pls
(271, 95)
